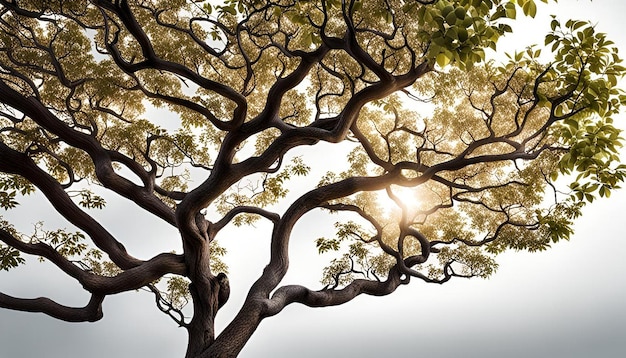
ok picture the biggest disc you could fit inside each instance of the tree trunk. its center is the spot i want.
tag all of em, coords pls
(208, 293)
(208, 296)
(235, 336)
(201, 329)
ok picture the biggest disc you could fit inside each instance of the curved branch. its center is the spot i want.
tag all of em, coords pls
(377, 226)
(279, 260)
(219, 225)
(286, 295)
(90, 313)
(167, 307)
(130, 279)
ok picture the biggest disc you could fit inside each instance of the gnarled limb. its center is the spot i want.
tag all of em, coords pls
(286, 295)
(90, 313)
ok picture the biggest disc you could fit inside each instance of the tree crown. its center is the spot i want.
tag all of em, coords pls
(498, 156)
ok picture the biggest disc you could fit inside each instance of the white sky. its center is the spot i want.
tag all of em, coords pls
(565, 302)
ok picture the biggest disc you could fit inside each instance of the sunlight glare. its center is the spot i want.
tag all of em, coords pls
(407, 196)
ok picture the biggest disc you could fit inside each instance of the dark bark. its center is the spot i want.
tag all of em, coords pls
(208, 297)
(90, 313)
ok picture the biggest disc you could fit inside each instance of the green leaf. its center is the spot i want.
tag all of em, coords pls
(510, 11)
(230, 9)
(460, 13)
(7, 200)
(554, 24)
(443, 60)
(9, 258)
(451, 18)
(324, 245)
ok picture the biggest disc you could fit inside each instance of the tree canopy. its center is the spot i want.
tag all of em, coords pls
(450, 158)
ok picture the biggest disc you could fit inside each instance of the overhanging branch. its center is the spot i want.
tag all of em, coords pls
(90, 313)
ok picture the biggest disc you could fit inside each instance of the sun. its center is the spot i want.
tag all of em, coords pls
(397, 198)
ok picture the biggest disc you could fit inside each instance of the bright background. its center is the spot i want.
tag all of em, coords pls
(566, 302)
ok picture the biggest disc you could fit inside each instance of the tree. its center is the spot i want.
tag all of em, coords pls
(486, 150)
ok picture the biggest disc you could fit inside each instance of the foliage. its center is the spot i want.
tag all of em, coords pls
(449, 158)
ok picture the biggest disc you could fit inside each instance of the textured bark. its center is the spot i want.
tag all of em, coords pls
(90, 313)
(201, 329)
(208, 297)
(235, 336)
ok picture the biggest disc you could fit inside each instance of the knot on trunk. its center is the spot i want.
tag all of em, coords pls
(223, 291)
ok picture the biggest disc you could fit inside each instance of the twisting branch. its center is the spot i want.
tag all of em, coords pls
(90, 313)
(129, 279)
(286, 295)
(219, 225)
(167, 307)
